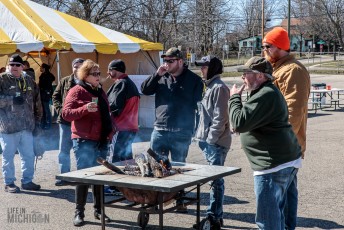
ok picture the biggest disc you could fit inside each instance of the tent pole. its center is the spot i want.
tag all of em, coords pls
(149, 58)
(58, 65)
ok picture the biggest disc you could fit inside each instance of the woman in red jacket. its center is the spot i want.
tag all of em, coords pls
(87, 108)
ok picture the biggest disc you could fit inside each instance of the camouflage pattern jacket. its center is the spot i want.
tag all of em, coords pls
(20, 104)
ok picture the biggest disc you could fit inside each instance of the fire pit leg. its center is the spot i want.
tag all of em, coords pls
(102, 208)
(198, 218)
(161, 216)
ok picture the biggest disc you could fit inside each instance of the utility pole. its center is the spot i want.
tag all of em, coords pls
(263, 19)
(289, 20)
(262, 32)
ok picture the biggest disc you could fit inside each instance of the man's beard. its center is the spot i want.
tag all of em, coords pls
(269, 58)
(253, 87)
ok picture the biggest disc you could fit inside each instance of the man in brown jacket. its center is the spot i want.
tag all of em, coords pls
(292, 79)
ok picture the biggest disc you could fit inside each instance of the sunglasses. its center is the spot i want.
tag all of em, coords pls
(170, 60)
(266, 47)
(95, 74)
(17, 65)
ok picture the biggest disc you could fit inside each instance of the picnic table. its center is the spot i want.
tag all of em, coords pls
(318, 98)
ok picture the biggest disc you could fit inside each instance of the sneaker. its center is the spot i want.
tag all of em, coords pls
(112, 191)
(60, 183)
(31, 186)
(12, 188)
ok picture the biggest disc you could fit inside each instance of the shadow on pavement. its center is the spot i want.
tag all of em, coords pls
(303, 222)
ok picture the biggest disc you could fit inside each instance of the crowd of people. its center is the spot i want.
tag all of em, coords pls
(92, 122)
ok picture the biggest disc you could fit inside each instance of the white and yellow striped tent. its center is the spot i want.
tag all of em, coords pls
(27, 26)
(30, 28)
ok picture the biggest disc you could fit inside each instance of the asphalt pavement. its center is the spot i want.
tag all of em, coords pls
(320, 181)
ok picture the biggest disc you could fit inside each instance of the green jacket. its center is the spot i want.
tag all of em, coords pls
(60, 94)
(266, 135)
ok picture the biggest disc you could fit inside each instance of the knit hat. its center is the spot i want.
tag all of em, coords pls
(257, 65)
(278, 37)
(15, 59)
(118, 65)
(77, 60)
(173, 52)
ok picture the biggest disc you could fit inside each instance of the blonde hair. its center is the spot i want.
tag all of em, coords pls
(85, 69)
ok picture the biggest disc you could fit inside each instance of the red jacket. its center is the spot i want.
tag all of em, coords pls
(124, 99)
(85, 125)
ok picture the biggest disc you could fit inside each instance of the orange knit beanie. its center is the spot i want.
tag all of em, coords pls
(278, 37)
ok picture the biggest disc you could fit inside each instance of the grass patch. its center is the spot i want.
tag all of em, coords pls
(330, 72)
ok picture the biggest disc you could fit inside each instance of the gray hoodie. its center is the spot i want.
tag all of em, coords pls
(214, 126)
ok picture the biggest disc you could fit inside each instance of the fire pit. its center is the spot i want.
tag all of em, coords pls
(147, 164)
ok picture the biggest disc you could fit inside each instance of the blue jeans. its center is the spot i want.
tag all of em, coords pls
(65, 145)
(164, 142)
(271, 196)
(290, 210)
(86, 153)
(46, 119)
(23, 142)
(215, 155)
(121, 146)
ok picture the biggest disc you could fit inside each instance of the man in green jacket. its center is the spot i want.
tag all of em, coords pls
(267, 139)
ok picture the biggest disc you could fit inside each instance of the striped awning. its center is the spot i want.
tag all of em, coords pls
(26, 26)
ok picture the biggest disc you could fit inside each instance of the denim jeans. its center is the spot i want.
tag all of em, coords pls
(86, 153)
(164, 142)
(290, 210)
(65, 145)
(121, 146)
(46, 119)
(271, 196)
(215, 155)
(23, 142)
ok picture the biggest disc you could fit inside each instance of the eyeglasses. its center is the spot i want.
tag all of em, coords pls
(170, 60)
(95, 74)
(266, 47)
(17, 65)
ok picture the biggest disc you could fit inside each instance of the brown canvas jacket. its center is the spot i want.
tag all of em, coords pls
(293, 80)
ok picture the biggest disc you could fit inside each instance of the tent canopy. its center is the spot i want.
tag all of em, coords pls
(26, 26)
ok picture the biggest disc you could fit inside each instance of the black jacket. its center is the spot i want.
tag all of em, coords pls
(175, 100)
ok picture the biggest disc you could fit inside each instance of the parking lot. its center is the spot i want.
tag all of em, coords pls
(321, 189)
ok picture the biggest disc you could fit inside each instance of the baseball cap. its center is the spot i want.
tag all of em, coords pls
(204, 61)
(77, 60)
(257, 65)
(173, 52)
(15, 59)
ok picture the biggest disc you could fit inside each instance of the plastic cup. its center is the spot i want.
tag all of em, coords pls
(95, 100)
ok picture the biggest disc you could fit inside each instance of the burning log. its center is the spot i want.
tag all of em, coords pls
(108, 165)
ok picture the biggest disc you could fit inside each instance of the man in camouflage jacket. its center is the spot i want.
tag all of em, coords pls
(20, 114)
